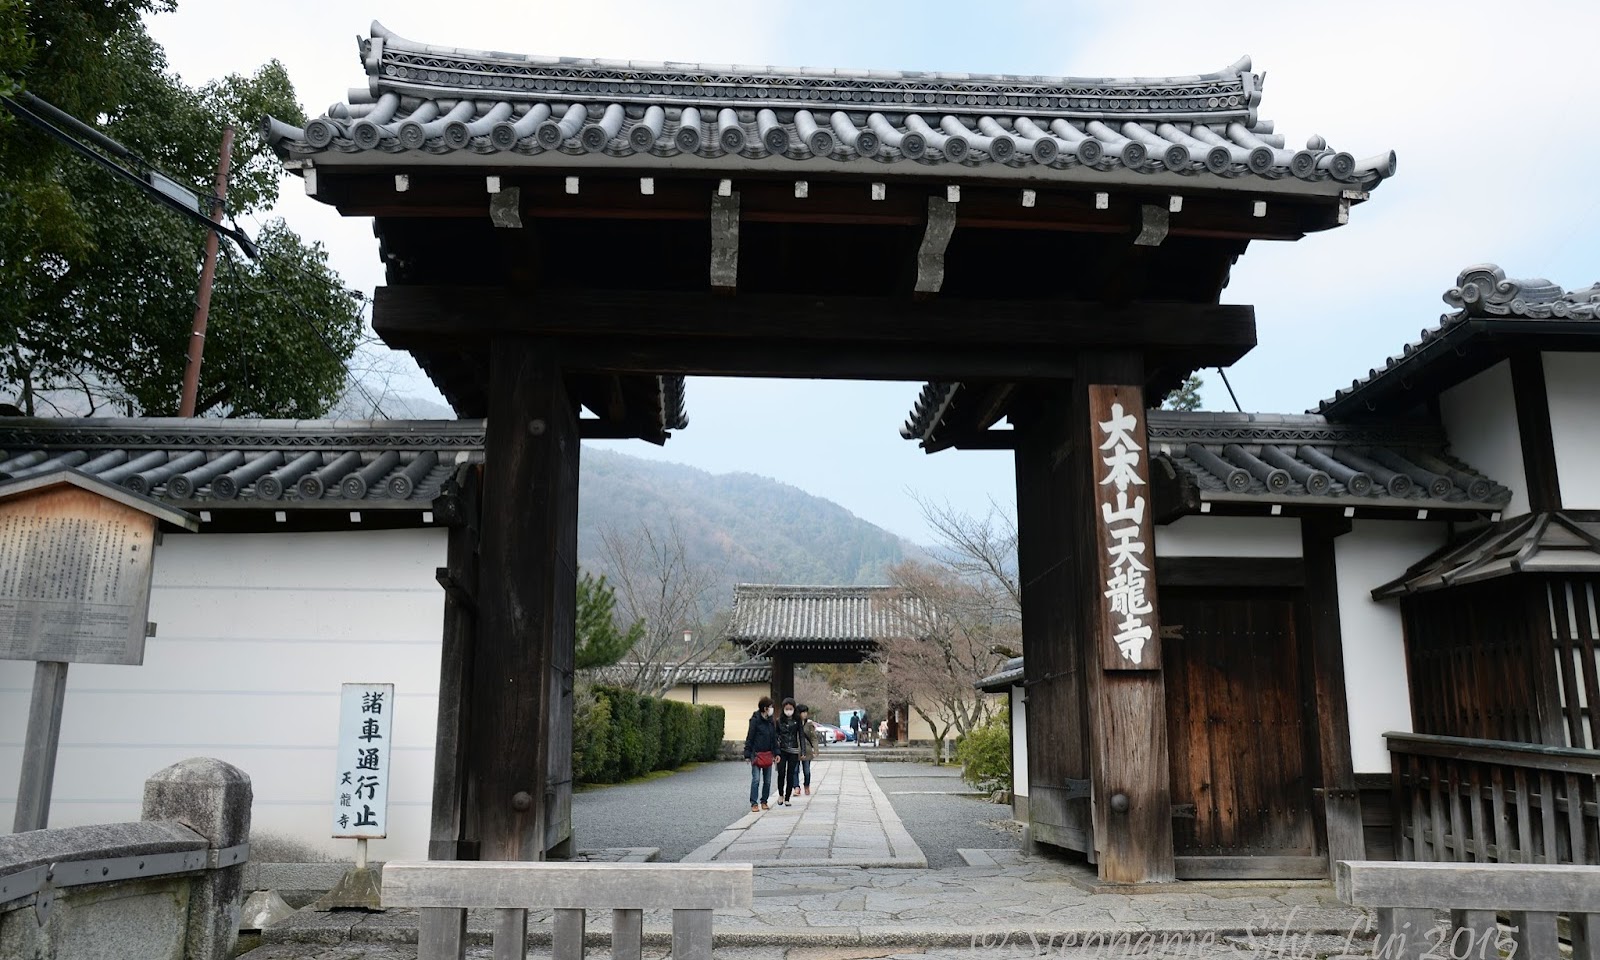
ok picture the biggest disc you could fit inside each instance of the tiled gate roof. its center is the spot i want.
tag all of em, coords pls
(501, 108)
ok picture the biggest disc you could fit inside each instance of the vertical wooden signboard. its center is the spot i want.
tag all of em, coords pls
(1125, 562)
(76, 559)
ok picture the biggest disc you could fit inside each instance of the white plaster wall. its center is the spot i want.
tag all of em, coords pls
(1019, 740)
(1572, 381)
(1371, 554)
(1480, 419)
(1206, 536)
(256, 632)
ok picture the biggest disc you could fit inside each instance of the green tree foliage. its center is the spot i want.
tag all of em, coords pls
(599, 641)
(1186, 397)
(97, 281)
(985, 754)
(16, 49)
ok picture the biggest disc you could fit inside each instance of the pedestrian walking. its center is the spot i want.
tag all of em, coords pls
(855, 726)
(808, 747)
(788, 752)
(760, 751)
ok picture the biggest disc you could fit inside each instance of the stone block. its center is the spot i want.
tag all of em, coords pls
(213, 799)
(262, 909)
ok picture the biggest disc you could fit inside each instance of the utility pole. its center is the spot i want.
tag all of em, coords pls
(208, 272)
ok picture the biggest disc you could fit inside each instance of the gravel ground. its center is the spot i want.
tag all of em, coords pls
(676, 813)
(944, 823)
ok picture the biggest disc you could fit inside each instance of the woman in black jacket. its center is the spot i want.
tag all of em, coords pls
(789, 735)
(762, 738)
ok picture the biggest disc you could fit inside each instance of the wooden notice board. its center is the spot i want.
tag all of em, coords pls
(76, 558)
(1124, 563)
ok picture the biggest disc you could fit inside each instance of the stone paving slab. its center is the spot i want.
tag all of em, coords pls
(846, 821)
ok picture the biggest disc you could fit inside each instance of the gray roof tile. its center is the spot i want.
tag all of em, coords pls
(1536, 543)
(438, 100)
(1482, 292)
(770, 613)
(278, 464)
(1306, 461)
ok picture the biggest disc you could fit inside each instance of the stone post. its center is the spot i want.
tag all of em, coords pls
(213, 799)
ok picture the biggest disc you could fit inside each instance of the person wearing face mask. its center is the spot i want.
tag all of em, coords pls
(789, 737)
(808, 748)
(760, 750)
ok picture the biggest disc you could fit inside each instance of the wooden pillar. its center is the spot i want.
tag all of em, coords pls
(1098, 771)
(451, 837)
(1341, 799)
(1131, 781)
(527, 586)
(782, 680)
(1047, 557)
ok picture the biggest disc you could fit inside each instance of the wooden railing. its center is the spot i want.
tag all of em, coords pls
(443, 890)
(1544, 905)
(1487, 801)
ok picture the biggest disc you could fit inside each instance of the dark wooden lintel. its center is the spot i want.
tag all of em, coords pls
(1266, 572)
(418, 314)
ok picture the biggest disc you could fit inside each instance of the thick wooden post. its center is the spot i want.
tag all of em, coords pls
(39, 746)
(782, 680)
(527, 584)
(1341, 799)
(452, 836)
(1047, 558)
(1127, 694)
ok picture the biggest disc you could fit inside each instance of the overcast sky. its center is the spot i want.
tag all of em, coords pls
(1491, 106)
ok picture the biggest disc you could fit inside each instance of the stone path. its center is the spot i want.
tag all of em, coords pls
(846, 821)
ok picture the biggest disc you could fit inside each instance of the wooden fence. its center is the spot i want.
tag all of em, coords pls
(1464, 800)
(1543, 904)
(444, 890)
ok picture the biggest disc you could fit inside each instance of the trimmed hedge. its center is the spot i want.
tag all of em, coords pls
(985, 754)
(618, 734)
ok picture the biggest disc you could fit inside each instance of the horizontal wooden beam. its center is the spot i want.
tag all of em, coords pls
(1230, 572)
(411, 316)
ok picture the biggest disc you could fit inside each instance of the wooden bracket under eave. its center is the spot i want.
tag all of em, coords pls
(936, 235)
(725, 242)
(505, 207)
(1153, 222)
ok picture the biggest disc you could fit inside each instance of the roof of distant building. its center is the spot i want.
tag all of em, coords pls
(500, 109)
(1493, 316)
(852, 617)
(1009, 674)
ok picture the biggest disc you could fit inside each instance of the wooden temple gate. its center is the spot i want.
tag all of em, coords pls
(566, 240)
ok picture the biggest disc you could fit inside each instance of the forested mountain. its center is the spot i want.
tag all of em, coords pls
(747, 528)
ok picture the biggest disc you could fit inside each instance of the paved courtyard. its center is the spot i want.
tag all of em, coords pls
(839, 877)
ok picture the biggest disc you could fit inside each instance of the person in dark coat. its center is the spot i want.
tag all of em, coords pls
(790, 734)
(762, 738)
(855, 726)
(808, 748)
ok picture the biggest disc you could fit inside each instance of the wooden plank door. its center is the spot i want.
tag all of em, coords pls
(1238, 727)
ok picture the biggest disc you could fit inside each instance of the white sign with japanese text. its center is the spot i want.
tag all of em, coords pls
(1122, 475)
(361, 789)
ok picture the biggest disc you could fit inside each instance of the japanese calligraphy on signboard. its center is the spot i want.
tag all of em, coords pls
(361, 793)
(76, 557)
(1126, 560)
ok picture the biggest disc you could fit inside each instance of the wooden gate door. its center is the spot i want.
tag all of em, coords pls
(1239, 725)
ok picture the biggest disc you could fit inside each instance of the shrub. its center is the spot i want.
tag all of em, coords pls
(618, 735)
(985, 754)
(650, 732)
